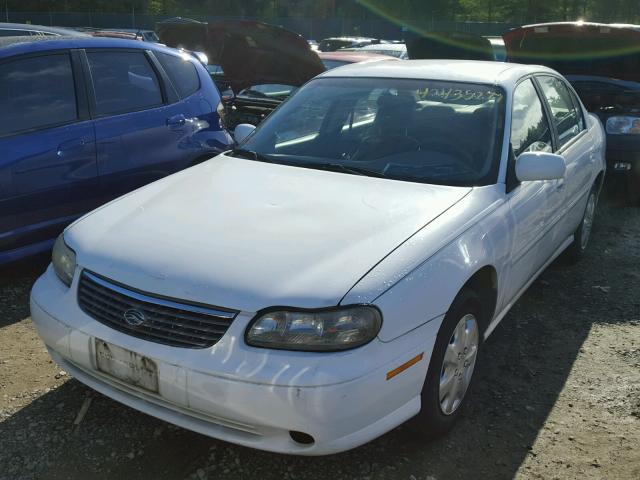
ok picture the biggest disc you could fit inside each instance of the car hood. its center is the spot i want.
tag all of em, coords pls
(250, 53)
(451, 46)
(247, 235)
(578, 48)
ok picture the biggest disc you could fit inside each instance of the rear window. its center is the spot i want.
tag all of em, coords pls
(36, 93)
(123, 82)
(566, 114)
(182, 73)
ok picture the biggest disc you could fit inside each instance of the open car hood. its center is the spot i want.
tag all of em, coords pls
(250, 53)
(450, 46)
(578, 48)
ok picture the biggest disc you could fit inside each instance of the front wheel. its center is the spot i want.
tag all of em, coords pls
(576, 250)
(453, 363)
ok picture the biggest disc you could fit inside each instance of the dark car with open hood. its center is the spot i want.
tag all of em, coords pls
(602, 62)
(255, 65)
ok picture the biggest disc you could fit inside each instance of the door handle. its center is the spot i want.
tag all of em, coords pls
(176, 121)
(560, 185)
(71, 146)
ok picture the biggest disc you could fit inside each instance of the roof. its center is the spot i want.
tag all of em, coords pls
(10, 46)
(354, 56)
(504, 74)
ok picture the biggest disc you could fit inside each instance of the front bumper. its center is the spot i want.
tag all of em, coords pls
(253, 397)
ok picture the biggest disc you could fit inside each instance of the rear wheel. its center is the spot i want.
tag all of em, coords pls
(581, 237)
(453, 362)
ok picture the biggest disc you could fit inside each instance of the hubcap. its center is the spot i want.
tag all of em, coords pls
(459, 361)
(587, 221)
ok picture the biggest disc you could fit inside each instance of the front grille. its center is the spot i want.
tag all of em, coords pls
(150, 317)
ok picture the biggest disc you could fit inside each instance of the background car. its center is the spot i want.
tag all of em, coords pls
(398, 50)
(602, 62)
(336, 43)
(337, 59)
(498, 47)
(22, 29)
(254, 64)
(146, 35)
(85, 120)
(115, 34)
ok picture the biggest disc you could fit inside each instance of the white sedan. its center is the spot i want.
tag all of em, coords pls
(336, 274)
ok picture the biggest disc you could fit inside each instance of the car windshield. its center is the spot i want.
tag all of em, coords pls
(439, 132)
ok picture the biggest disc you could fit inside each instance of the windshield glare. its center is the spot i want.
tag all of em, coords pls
(417, 130)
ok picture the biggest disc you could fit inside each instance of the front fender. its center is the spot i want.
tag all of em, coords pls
(418, 282)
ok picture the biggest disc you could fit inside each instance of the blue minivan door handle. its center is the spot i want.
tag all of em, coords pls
(71, 146)
(176, 120)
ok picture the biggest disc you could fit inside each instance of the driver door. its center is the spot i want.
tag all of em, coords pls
(529, 202)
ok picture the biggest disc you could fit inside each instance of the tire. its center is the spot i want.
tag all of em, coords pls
(441, 407)
(581, 236)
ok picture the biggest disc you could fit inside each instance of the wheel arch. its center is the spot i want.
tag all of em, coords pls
(484, 283)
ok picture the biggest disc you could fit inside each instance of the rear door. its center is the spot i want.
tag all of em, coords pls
(48, 173)
(142, 130)
(579, 154)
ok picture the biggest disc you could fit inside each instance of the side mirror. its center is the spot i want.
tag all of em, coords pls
(531, 166)
(242, 131)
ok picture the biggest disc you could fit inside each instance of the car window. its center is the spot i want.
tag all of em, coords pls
(14, 33)
(529, 126)
(123, 82)
(566, 116)
(181, 72)
(38, 92)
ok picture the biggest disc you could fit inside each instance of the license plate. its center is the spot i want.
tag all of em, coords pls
(126, 365)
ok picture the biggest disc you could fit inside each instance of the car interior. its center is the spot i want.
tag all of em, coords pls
(396, 133)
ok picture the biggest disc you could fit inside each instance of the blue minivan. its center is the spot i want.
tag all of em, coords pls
(85, 120)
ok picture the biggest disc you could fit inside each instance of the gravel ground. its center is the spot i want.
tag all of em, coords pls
(558, 396)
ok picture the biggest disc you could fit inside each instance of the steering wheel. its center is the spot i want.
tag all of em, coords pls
(400, 144)
(462, 155)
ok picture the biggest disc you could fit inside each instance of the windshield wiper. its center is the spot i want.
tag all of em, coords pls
(250, 154)
(338, 167)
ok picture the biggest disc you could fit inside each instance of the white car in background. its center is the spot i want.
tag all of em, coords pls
(398, 50)
(337, 273)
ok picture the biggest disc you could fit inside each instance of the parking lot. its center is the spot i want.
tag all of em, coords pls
(558, 395)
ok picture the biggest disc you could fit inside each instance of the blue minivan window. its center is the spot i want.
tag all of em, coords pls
(181, 72)
(123, 82)
(38, 92)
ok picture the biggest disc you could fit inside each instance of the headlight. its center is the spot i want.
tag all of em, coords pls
(64, 261)
(316, 330)
(623, 125)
